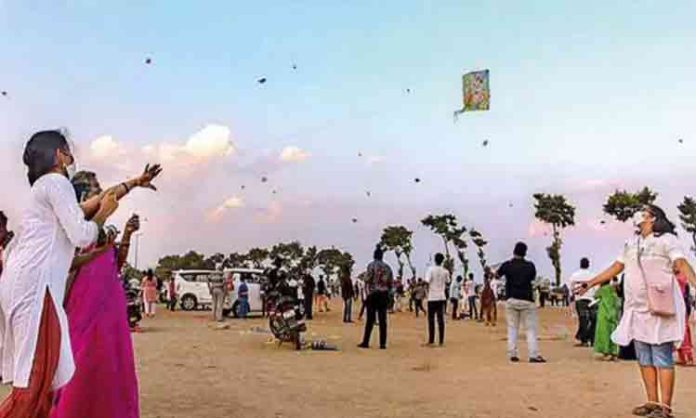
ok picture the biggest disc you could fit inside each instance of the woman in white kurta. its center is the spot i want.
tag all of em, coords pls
(35, 273)
(650, 258)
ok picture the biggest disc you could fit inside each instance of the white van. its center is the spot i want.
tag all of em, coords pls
(254, 280)
(192, 288)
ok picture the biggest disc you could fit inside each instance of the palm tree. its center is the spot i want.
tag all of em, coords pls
(458, 238)
(557, 212)
(687, 215)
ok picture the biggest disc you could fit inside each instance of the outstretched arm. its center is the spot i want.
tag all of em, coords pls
(605, 276)
(91, 205)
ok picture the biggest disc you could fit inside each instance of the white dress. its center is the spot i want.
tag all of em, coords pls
(52, 227)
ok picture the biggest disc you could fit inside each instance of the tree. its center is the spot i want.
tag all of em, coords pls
(480, 243)
(622, 205)
(289, 254)
(458, 238)
(398, 239)
(445, 226)
(235, 260)
(189, 261)
(215, 260)
(309, 259)
(330, 260)
(557, 212)
(257, 257)
(687, 215)
(130, 273)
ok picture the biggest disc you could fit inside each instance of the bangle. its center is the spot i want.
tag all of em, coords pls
(124, 184)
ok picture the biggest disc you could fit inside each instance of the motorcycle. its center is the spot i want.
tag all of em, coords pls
(285, 313)
(133, 303)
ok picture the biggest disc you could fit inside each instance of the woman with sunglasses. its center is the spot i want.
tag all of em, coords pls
(653, 316)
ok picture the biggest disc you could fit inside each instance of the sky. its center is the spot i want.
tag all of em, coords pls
(585, 98)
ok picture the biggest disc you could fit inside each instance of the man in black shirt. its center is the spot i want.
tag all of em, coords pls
(519, 275)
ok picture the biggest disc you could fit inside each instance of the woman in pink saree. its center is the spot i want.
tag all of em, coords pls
(105, 384)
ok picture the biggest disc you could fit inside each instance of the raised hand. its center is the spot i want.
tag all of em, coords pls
(149, 174)
(133, 224)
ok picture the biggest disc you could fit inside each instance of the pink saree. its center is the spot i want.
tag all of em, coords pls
(105, 383)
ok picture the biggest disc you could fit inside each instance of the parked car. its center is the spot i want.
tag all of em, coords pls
(254, 280)
(192, 288)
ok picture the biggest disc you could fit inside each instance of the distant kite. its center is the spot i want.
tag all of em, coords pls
(681, 141)
(485, 143)
(264, 179)
(476, 92)
(417, 180)
(148, 60)
(261, 80)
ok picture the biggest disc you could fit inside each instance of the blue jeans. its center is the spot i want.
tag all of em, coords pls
(243, 307)
(655, 355)
(347, 310)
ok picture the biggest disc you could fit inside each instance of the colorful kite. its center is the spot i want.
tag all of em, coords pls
(475, 91)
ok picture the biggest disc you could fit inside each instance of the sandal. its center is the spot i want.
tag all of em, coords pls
(662, 411)
(645, 409)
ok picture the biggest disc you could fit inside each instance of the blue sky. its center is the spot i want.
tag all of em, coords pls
(585, 97)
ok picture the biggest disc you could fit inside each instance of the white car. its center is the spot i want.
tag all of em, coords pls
(192, 288)
(254, 279)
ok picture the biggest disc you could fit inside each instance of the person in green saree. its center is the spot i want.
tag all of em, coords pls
(607, 320)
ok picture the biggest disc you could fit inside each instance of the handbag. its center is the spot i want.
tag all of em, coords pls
(660, 294)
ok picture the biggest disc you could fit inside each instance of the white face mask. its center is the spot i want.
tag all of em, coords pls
(638, 218)
(71, 170)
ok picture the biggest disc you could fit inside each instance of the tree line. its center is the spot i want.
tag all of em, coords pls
(552, 209)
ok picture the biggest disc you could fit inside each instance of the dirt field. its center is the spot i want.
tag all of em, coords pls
(187, 369)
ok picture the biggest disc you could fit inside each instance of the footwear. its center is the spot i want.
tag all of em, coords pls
(515, 359)
(537, 359)
(363, 345)
(645, 409)
(661, 411)
(382, 347)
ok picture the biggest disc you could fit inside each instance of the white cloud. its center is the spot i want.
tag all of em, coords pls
(233, 202)
(211, 141)
(293, 154)
(105, 146)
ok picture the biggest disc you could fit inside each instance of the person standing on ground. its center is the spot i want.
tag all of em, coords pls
(519, 277)
(308, 286)
(607, 320)
(436, 277)
(216, 286)
(322, 295)
(243, 297)
(379, 279)
(455, 294)
(686, 350)
(347, 294)
(419, 293)
(36, 355)
(171, 287)
(586, 313)
(652, 318)
(488, 303)
(470, 290)
(148, 287)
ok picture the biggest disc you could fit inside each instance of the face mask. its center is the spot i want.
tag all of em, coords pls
(638, 219)
(71, 170)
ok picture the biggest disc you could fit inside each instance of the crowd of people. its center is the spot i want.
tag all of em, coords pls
(65, 338)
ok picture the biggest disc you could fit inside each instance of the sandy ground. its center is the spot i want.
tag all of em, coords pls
(188, 369)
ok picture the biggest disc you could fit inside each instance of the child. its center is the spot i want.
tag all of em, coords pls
(607, 321)
(488, 303)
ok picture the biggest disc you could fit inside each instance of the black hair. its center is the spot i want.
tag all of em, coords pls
(40, 153)
(471, 276)
(150, 273)
(3, 219)
(379, 253)
(584, 263)
(439, 258)
(662, 225)
(82, 183)
(520, 249)
(460, 278)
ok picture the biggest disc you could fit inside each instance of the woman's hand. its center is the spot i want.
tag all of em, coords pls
(133, 225)
(149, 174)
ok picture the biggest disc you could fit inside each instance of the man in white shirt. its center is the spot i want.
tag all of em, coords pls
(437, 278)
(586, 313)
